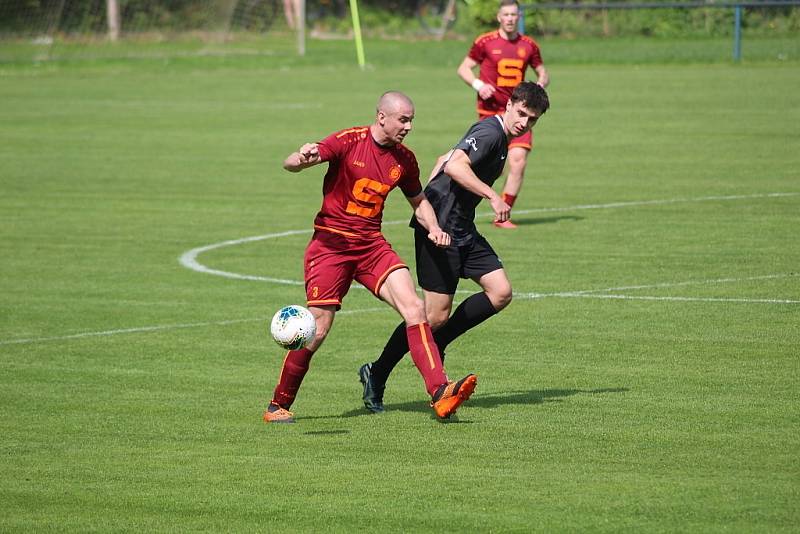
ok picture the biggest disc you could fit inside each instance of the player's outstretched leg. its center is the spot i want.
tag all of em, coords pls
(373, 391)
(450, 396)
(295, 367)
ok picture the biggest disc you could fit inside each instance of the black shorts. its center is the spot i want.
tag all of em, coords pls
(439, 269)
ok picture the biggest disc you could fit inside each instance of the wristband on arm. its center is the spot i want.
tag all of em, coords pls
(477, 84)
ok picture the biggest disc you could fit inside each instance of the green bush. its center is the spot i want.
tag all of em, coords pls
(397, 17)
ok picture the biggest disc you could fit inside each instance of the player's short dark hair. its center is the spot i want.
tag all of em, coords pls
(532, 95)
(506, 3)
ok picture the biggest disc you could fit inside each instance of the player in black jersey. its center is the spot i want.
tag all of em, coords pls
(460, 180)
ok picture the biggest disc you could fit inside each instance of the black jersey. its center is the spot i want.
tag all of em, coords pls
(486, 145)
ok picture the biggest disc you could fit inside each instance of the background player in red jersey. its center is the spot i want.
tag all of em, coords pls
(503, 56)
(364, 164)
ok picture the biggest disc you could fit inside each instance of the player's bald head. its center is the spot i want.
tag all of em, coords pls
(392, 118)
(392, 102)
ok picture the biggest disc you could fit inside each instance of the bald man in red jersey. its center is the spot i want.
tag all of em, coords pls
(503, 56)
(364, 164)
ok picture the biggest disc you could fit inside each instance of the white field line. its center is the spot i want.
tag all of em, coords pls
(687, 299)
(140, 329)
(189, 259)
(586, 293)
(655, 202)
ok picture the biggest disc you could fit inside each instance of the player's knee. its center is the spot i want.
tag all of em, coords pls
(321, 334)
(437, 318)
(323, 327)
(414, 312)
(501, 298)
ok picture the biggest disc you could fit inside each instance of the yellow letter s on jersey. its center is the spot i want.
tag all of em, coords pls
(368, 194)
(510, 72)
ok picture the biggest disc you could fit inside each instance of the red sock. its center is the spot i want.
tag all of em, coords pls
(426, 356)
(295, 367)
(509, 199)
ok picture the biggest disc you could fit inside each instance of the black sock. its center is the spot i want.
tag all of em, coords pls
(393, 352)
(472, 312)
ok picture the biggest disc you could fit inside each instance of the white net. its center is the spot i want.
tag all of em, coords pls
(67, 29)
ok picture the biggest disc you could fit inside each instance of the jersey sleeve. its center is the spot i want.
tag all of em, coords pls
(479, 142)
(331, 147)
(536, 55)
(477, 52)
(410, 184)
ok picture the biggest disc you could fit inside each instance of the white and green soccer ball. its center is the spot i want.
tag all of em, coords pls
(293, 327)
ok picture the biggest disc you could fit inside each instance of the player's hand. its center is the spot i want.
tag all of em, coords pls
(309, 153)
(486, 92)
(439, 238)
(502, 211)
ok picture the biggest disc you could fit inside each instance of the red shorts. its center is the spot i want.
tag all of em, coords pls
(523, 141)
(333, 261)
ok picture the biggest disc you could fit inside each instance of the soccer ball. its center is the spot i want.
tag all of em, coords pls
(293, 327)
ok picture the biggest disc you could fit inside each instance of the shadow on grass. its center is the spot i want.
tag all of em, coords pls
(535, 396)
(325, 432)
(529, 221)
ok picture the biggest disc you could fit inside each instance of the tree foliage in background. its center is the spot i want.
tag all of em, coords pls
(393, 17)
(643, 22)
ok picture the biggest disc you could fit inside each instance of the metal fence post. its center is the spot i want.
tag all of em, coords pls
(737, 33)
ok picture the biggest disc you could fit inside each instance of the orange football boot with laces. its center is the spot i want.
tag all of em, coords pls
(276, 414)
(451, 395)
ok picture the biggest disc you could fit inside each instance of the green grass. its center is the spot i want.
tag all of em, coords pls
(281, 50)
(671, 407)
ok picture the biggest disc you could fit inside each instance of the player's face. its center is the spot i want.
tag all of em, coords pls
(508, 17)
(397, 123)
(519, 119)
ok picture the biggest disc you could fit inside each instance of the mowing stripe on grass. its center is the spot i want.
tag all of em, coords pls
(189, 258)
(157, 328)
(655, 202)
(688, 299)
(586, 293)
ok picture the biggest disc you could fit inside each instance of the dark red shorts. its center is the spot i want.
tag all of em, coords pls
(523, 141)
(333, 261)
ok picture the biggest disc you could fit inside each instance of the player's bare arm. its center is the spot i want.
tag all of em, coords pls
(466, 73)
(438, 165)
(305, 157)
(423, 211)
(543, 78)
(460, 170)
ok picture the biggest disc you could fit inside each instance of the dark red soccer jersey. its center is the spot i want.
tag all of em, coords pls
(360, 175)
(503, 64)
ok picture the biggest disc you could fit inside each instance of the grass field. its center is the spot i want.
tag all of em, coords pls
(645, 378)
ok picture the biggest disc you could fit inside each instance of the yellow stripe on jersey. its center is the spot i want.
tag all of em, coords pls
(352, 130)
(490, 34)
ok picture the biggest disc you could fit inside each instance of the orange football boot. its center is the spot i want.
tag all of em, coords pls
(446, 401)
(505, 224)
(276, 414)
